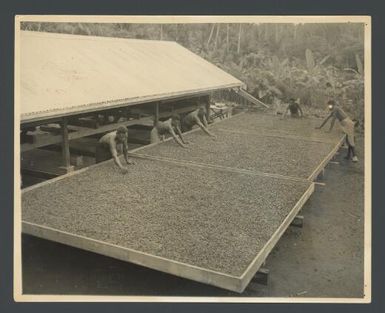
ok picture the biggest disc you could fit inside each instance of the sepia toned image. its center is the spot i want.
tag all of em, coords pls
(192, 158)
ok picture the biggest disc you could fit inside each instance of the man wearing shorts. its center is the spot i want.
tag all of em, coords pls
(347, 126)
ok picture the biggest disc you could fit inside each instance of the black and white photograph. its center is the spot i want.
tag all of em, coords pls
(193, 158)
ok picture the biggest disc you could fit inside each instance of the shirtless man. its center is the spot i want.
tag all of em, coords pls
(294, 109)
(197, 117)
(110, 145)
(169, 126)
(347, 126)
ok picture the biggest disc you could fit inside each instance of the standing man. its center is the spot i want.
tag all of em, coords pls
(197, 117)
(111, 145)
(329, 92)
(167, 127)
(294, 109)
(347, 126)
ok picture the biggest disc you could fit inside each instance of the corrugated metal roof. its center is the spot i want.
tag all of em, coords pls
(66, 74)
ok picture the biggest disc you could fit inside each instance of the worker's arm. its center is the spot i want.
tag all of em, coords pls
(287, 110)
(332, 123)
(199, 123)
(325, 121)
(125, 152)
(115, 156)
(178, 141)
(205, 121)
(179, 132)
(300, 109)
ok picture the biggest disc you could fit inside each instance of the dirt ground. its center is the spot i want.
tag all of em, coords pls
(322, 259)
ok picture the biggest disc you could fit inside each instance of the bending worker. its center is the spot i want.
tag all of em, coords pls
(347, 126)
(197, 117)
(111, 145)
(294, 109)
(169, 126)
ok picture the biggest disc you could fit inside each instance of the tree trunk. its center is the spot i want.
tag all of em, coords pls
(295, 32)
(84, 28)
(239, 38)
(211, 35)
(203, 36)
(276, 33)
(227, 37)
(216, 36)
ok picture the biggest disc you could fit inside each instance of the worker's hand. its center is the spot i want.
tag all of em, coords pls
(213, 137)
(130, 162)
(124, 170)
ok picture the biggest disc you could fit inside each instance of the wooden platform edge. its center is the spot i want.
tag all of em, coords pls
(216, 167)
(293, 137)
(195, 273)
(176, 268)
(326, 160)
(262, 255)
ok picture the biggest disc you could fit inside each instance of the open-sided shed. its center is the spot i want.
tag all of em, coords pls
(68, 83)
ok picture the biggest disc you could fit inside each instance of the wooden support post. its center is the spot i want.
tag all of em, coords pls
(66, 147)
(207, 104)
(261, 277)
(156, 118)
(297, 221)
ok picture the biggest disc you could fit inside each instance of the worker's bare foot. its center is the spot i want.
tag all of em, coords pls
(355, 159)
